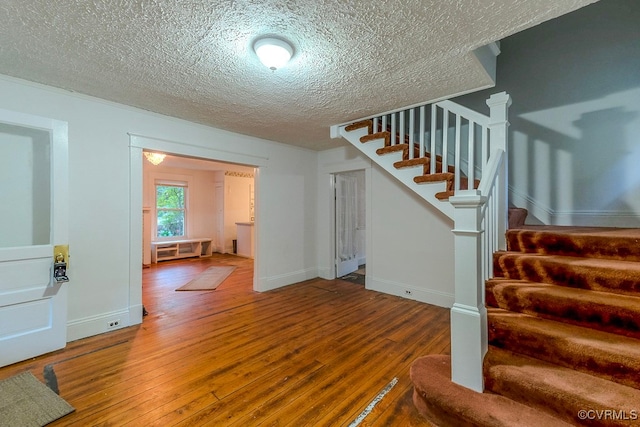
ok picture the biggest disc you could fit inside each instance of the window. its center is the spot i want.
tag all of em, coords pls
(170, 210)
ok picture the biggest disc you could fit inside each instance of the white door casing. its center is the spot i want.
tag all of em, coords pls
(219, 195)
(33, 219)
(345, 212)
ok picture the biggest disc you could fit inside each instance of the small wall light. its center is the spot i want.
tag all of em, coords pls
(272, 52)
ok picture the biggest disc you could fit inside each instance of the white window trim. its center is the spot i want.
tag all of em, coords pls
(176, 181)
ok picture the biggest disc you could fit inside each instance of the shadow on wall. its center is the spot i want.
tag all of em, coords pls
(575, 117)
(567, 177)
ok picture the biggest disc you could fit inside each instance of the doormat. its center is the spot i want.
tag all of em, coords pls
(26, 402)
(208, 280)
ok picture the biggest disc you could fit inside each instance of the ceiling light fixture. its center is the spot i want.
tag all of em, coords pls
(272, 52)
(154, 158)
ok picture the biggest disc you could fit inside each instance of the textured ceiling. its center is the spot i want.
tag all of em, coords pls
(193, 59)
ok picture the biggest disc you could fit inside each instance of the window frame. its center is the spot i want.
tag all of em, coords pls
(171, 183)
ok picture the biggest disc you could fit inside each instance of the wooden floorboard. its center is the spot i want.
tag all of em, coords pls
(314, 353)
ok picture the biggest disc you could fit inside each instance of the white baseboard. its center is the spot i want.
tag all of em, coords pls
(95, 325)
(441, 299)
(597, 218)
(600, 218)
(275, 282)
(326, 273)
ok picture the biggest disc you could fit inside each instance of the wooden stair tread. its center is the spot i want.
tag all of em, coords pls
(359, 125)
(434, 177)
(375, 136)
(444, 195)
(427, 168)
(419, 161)
(391, 149)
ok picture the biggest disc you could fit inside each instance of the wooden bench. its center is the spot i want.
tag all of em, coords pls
(164, 250)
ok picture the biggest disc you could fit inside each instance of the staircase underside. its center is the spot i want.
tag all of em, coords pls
(423, 160)
(564, 335)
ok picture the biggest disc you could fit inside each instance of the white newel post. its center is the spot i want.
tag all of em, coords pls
(498, 131)
(468, 315)
(469, 335)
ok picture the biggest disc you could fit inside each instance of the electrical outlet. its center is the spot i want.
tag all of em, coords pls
(407, 292)
(113, 323)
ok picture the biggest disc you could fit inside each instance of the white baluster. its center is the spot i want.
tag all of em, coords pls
(434, 130)
(445, 140)
(456, 159)
(393, 129)
(485, 146)
(412, 126)
(422, 130)
(471, 171)
(401, 128)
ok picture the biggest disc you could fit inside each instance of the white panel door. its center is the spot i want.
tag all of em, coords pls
(33, 219)
(346, 246)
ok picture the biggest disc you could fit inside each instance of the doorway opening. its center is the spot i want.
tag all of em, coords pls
(235, 165)
(350, 226)
(196, 208)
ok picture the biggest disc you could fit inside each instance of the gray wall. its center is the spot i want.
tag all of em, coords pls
(575, 119)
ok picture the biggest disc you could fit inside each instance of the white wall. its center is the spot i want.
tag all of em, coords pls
(99, 156)
(575, 118)
(409, 243)
(237, 191)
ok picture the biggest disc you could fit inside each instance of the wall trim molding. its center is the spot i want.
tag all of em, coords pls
(194, 150)
(95, 325)
(286, 279)
(600, 218)
(441, 299)
(238, 174)
(326, 273)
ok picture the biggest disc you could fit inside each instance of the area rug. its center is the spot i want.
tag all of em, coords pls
(25, 402)
(209, 279)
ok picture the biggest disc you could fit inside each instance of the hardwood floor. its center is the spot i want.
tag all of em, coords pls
(311, 354)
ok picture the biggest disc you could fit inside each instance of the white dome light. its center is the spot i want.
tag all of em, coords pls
(274, 53)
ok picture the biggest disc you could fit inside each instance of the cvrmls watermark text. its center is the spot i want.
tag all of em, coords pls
(607, 414)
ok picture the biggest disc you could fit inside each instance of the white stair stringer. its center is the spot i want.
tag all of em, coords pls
(405, 175)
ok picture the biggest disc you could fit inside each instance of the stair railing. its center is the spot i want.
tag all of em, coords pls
(493, 233)
(469, 144)
(445, 129)
(480, 223)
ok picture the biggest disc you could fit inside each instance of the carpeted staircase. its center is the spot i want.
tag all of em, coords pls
(564, 336)
(418, 159)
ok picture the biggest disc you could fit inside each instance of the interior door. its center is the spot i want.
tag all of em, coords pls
(33, 220)
(346, 247)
